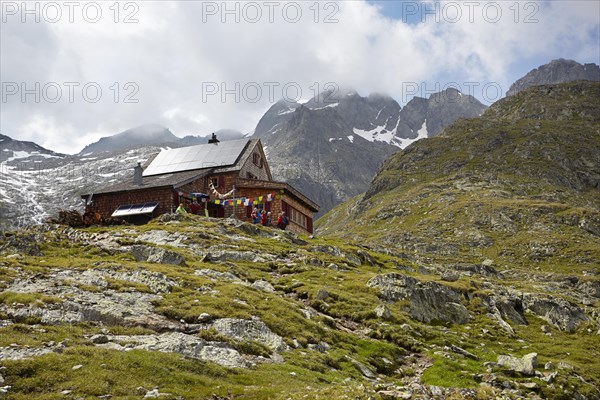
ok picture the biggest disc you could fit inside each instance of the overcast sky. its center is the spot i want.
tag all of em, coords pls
(73, 72)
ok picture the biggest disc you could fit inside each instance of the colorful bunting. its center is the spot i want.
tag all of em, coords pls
(240, 201)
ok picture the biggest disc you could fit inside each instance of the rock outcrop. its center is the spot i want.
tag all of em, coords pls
(427, 302)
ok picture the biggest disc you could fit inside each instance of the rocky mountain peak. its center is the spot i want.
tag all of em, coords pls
(144, 135)
(556, 71)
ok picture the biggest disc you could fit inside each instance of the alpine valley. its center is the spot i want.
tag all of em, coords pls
(464, 265)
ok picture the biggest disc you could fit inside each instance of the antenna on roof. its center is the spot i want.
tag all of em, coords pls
(213, 139)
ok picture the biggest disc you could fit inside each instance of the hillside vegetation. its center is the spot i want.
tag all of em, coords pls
(469, 270)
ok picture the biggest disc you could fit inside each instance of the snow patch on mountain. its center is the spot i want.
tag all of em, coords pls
(421, 134)
(332, 105)
(379, 134)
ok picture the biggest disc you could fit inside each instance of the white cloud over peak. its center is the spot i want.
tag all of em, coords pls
(193, 73)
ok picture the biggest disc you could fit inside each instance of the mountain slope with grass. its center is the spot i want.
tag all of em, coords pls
(469, 270)
(528, 166)
(188, 307)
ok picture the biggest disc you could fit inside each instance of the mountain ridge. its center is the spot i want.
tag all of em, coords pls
(556, 71)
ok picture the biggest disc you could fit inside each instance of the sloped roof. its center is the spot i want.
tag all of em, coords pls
(202, 156)
(174, 180)
(177, 178)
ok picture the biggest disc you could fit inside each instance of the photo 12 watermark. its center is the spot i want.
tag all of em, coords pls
(71, 92)
(526, 12)
(253, 12)
(254, 92)
(489, 92)
(53, 12)
(329, 92)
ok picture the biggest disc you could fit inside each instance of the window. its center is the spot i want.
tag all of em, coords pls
(250, 175)
(257, 160)
(218, 181)
(297, 217)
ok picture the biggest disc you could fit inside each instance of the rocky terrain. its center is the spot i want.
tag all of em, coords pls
(331, 147)
(192, 308)
(556, 71)
(516, 190)
(468, 270)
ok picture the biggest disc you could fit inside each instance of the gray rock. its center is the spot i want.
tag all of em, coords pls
(525, 365)
(564, 365)
(449, 276)
(156, 255)
(394, 394)
(556, 71)
(383, 312)
(511, 309)
(590, 288)
(217, 275)
(428, 301)
(321, 294)
(109, 307)
(487, 262)
(321, 347)
(204, 317)
(549, 376)
(366, 371)
(99, 339)
(4, 390)
(233, 256)
(263, 285)
(187, 345)
(529, 385)
(460, 350)
(160, 237)
(151, 394)
(18, 353)
(337, 252)
(253, 330)
(555, 311)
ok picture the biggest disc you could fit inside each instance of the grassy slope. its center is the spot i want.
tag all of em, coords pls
(437, 204)
(517, 186)
(318, 375)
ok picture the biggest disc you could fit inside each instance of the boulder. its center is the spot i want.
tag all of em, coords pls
(525, 365)
(555, 311)
(217, 275)
(321, 294)
(383, 312)
(263, 285)
(232, 256)
(156, 255)
(187, 345)
(160, 237)
(428, 301)
(253, 330)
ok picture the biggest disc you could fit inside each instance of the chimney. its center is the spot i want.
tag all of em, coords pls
(213, 139)
(137, 174)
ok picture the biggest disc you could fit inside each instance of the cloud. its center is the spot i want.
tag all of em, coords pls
(193, 68)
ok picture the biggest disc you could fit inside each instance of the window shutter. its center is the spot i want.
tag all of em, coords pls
(248, 211)
(221, 212)
(309, 224)
(221, 181)
(268, 206)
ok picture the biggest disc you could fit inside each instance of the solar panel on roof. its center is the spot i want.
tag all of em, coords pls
(135, 209)
(196, 157)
